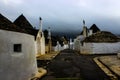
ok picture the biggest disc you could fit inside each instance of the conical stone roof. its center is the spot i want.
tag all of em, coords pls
(6, 24)
(94, 28)
(102, 36)
(22, 22)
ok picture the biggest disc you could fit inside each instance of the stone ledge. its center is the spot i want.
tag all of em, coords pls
(105, 69)
(41, 72)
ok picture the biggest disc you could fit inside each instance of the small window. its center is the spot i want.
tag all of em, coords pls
(17, 47)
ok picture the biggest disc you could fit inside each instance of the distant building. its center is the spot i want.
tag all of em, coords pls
(17, 58)
(57, 43)
(57, 47)
(84, 33)
(87, 32)
(94, 41)
(100, 43)
(71, 44)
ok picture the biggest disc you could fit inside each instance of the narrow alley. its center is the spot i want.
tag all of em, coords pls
(69, 64)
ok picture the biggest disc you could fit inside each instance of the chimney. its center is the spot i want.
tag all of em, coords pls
(85, 33)
(49, 33)
(40, 24)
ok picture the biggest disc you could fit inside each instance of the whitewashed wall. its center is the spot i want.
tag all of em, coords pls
(57, 47)
(77, 45)
(17, 65)
(71, 45)
(86, 48)
(106, 47)
(100, 48)
(77, 42)
(40, 44)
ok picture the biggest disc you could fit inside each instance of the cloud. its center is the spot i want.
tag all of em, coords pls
(64, 13)
(12, 2)
(102, 7)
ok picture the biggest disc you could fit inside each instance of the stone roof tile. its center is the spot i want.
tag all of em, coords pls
(102, 36)
(6, 24)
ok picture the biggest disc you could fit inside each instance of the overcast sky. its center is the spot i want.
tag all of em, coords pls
(66, 15)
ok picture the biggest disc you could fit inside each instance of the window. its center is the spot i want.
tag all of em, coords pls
(17, 47)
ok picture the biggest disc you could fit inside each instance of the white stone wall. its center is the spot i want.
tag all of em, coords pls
(106, 47)
(77, 42)
(77, 45)
(57, 47)
(40, 43)
(100, 48)
(17, 65)
(86, 48)
(35, 47)
(71, 44)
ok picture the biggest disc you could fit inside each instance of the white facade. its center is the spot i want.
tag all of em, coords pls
(40, 43)
(77, 42)
(95, 48)
(17, 56)
(100, 48)
(71, 44)
(57, 47)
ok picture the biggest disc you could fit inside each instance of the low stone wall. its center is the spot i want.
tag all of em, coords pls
(86, 48)
(100, 48)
